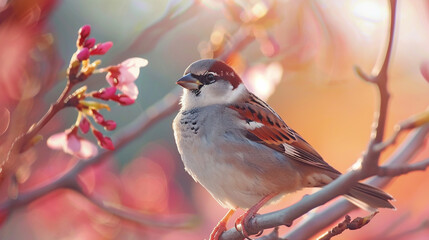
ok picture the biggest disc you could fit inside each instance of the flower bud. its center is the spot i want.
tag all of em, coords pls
(109, 125)
(83, 54)
(84, 125)
(104, 142)
(98, 117)
(89, 43)
(101, 48)
(105, 93)
(84, 32)
(123, 99)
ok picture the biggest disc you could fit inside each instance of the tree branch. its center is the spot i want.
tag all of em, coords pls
(321, 219)
(347, 223)
(340, 228)
(371, 157)
(21, 142)
(132, 215)
(394, 171)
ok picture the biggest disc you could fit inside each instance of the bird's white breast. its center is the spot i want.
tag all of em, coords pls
(232, 171)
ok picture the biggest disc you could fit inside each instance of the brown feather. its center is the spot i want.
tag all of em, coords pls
(276, 134)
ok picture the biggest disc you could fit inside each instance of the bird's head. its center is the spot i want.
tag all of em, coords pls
(210, 81)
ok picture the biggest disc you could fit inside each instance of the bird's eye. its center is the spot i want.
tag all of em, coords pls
(210, 77)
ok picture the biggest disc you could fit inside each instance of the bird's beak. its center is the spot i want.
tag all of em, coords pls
(189, 82)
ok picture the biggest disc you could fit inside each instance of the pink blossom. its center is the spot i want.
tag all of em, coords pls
(123, 75)
(101, 48)
(72, 144)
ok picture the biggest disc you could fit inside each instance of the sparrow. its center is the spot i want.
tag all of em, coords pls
(242, 152)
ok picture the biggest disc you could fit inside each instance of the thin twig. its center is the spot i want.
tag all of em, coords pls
(22, 142)
(347, 223)
(412, 122)
(341, 227)
(390, 141)
(394, 171)
(371, 156)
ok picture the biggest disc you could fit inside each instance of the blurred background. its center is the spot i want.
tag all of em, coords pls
(300, 58)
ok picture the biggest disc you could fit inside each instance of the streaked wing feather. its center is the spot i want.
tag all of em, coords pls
(276, 134)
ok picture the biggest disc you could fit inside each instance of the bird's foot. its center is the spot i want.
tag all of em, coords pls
(244, 219)
(221, 226)
(241, 223)
(217, 231)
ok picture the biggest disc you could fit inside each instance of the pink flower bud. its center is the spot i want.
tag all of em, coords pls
(97, 134)
(107, 144)
(105, 93)
(89, 43)
(98, 117)
(84, 125)
(124, 100)
(84, 32)
(109, 125)
(83, 54)
(104, 142)
(101, 48)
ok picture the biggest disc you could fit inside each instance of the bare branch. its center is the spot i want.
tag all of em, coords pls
(392, 140)
(394, 171)
(363, 75)
(412, 122)
(21, 142)
(341, 227)
(320, 220)
(357, 223)
(132, 215)
(372, 156)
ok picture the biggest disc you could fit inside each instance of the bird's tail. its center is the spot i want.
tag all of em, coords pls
(368, 197)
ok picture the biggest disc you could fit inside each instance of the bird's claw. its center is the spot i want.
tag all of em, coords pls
(240, 224)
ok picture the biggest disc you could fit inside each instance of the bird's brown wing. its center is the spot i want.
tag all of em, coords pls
(266, 127)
